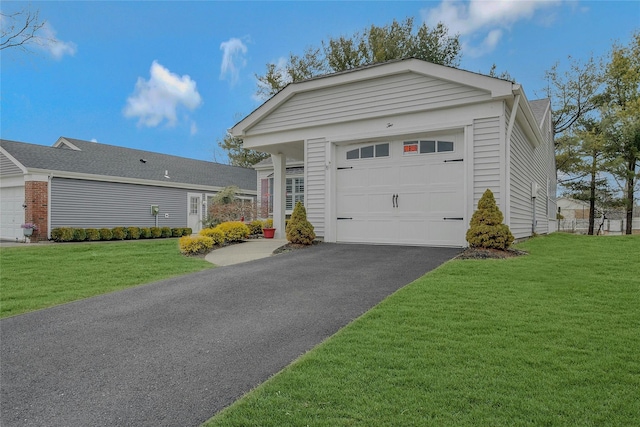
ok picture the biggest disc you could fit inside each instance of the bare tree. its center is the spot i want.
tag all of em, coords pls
(21, 29)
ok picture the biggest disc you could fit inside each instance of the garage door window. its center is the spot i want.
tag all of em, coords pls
(427, 147)
(369, 152)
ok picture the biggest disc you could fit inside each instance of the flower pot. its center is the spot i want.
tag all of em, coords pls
(268, 232)
(27, 232)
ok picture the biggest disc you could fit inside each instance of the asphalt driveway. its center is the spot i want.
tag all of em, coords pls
(175, 352)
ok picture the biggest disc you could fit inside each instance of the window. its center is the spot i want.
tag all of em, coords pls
(445, 146)
(369, 152)
(295, 192)
(427, 147)
(194, 204)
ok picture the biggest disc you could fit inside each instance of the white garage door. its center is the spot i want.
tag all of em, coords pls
(11, 212)
(402, 192)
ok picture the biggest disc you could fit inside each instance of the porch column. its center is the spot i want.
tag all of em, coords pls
(279, 194)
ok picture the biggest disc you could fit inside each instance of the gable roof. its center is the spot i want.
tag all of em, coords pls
(90, 158)
(497, 88)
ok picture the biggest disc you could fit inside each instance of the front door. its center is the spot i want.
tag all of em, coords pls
(194, 212)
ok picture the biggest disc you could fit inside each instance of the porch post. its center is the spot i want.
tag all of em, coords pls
(279, 195)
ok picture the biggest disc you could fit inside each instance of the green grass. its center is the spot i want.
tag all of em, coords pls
(548, 339)
(39, 276)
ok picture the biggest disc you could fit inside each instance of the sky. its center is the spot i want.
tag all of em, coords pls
(172, 77)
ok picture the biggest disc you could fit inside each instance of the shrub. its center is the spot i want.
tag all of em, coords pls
(106, 234)
(79, 235)
(119, 233)
(214, 233)
(156, 232)
(145, 233)
(486, 229)
(255, 227)
(176, 232)
(234, 231)
(133, 233)
(267, 223)
(194, 245)
(62, 234)
(93, 234)
(187, 231)
(298, 229)
(165, 232)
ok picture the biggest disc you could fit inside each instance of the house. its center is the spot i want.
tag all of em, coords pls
(85, 184)
(401, 152)
(574, 218)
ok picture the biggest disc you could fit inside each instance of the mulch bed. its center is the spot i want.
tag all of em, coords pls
(292, 247)
(481, 253)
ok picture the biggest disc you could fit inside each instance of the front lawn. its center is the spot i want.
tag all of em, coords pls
(551, 338)
(39, 276)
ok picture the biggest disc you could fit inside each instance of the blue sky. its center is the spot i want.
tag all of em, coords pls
(172, 76)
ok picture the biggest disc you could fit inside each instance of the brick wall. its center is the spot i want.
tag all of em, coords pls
(36, 196)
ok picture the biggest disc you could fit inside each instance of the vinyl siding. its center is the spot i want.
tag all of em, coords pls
(528, 164)
(96, 204)
(401, 93)
(315, 184)
(486, 159)
(7, 167)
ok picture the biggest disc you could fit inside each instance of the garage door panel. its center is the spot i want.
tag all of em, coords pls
(441, 232)
(449, 202)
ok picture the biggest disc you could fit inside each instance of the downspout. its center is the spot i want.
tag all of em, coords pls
(512, 122)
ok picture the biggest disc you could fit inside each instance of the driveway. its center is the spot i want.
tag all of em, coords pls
(175, 352)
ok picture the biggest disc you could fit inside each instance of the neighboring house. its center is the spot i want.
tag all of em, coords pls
(92, 185)
(401, 152)
(575, 218)
(570, 208)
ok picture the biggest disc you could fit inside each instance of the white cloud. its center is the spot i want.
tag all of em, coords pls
(158, 98)
(56, 47)
(484, 18)
(232, 59)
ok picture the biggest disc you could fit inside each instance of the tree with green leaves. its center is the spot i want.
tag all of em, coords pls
(239, 156)
(583, 162)
(373, 45)
(621, 118)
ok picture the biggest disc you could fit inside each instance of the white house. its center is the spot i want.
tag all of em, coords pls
(401, 152)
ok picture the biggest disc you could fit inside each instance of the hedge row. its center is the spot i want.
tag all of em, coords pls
(70, 234)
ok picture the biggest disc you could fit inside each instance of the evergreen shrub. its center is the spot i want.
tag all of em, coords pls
(62, 234)
(234, 231)
(93, 234)
(214, 233)
(165, 232)
(176, 232)
(106, 234)
(133, 233)
(194, 245)
(145, 233)
(156, 232)
(255, 227)
(486, 229)
(79, 235)
(119, 233)
(299, 230)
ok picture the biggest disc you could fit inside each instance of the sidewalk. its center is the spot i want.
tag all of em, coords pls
(248, 250)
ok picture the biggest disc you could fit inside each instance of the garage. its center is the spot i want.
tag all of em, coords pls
(400, 153)
(11, 201)
(406, 192)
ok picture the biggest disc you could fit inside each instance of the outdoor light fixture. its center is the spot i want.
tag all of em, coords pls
(143, 160)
